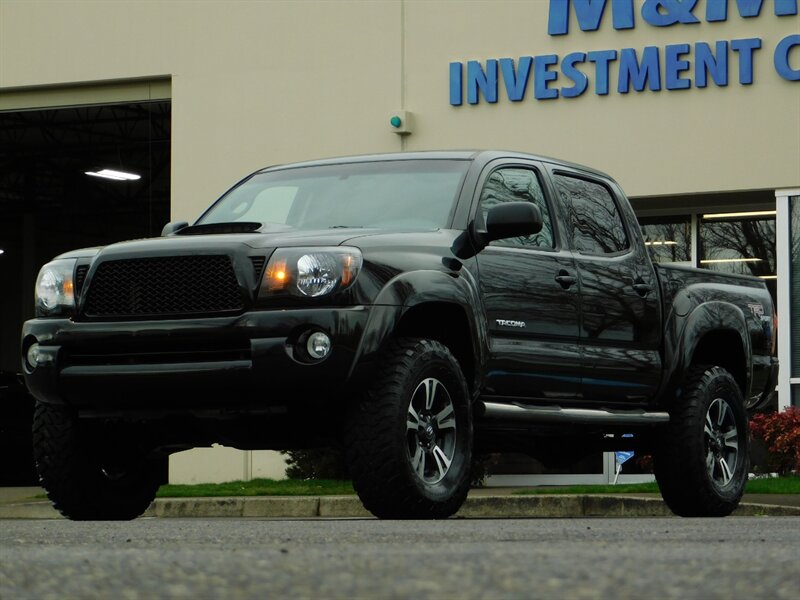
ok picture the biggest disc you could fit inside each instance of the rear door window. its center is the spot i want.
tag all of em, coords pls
(592, 216)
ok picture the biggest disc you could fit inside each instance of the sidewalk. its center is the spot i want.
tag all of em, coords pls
(20, 503)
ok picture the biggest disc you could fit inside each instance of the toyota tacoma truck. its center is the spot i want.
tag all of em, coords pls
(414, 308)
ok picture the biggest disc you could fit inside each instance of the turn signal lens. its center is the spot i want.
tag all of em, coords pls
(275, 276)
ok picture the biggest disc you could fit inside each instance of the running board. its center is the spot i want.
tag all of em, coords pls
(493, 411)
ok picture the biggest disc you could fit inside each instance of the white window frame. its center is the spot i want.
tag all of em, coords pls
(784, 253)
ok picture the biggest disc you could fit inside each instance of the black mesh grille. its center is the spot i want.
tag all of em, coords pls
(174, 285)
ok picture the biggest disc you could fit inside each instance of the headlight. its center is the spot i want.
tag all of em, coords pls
(311, 272)
(55, 293)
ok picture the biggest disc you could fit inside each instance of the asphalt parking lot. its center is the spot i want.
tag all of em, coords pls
(742, 557)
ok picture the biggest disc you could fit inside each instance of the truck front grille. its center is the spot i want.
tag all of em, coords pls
(162, 287)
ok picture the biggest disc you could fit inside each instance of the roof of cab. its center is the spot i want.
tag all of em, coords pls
(472, 155)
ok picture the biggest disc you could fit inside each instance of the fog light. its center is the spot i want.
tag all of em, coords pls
(32, 356)
(318, 345)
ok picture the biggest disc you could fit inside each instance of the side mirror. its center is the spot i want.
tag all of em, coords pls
(172, 227)
(512, 219)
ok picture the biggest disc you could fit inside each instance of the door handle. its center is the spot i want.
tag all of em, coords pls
(565, 280)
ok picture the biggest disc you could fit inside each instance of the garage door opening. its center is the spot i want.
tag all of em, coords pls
(49, 203)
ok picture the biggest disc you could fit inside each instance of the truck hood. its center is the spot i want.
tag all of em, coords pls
(380, 244)
(183, 244)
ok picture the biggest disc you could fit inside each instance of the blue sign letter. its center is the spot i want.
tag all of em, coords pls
(516, 81)
(782, 65)
(601, 58)
(717, 10)
(674, 66)
(569, 70)
(456, 83)
(589, 13)
(705, 64)
(541, 76)
(745, 48)
(663, 13)
(478, 81)
(630, 70)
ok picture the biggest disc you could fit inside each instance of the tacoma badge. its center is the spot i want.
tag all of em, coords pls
(507, 323)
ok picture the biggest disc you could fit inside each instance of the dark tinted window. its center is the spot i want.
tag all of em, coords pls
(592, 216)
(514, 184)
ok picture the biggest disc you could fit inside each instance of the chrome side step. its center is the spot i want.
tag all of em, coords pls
(493, 411)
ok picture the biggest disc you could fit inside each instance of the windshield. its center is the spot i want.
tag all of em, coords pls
(400, 194)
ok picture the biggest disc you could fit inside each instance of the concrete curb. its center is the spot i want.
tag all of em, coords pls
(304, 507)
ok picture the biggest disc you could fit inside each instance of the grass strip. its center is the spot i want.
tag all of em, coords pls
(767, 485)
(331, 487)
(259, 487)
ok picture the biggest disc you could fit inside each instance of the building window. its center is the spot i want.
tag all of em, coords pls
(740, 243)
(669, 239)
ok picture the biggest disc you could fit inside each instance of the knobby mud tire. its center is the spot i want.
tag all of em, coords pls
(377, 439)
(683, 448)
(72, 473)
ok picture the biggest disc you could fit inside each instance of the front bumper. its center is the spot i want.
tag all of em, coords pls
(249, 360)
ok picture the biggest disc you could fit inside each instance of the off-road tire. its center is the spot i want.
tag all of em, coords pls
(75, 479)
(378, 439)
(683, 448)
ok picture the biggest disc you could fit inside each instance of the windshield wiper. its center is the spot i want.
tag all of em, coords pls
(346, 227)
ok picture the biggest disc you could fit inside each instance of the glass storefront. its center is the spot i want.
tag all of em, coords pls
(668, 238)
(740, 243)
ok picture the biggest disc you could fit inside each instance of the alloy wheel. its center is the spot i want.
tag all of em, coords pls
(722, 442)
(431, 431)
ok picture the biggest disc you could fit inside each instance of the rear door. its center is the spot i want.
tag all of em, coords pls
(530, 290)
(620, 308)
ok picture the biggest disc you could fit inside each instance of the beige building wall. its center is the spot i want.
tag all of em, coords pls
(653, 143)
(255, 83)
(219, 464)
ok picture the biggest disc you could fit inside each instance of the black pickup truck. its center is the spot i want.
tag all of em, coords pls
(414, 308)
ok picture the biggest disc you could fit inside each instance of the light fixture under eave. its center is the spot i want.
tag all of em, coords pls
(710, 261)
(115, 175)
(662, 243)
(732, 215)
(2, 251)
(767, 276)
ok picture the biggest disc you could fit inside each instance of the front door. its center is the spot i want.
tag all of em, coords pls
(531, 296)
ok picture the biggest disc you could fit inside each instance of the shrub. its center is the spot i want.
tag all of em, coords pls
(780, 431)
(480, 468)
(317, 463)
